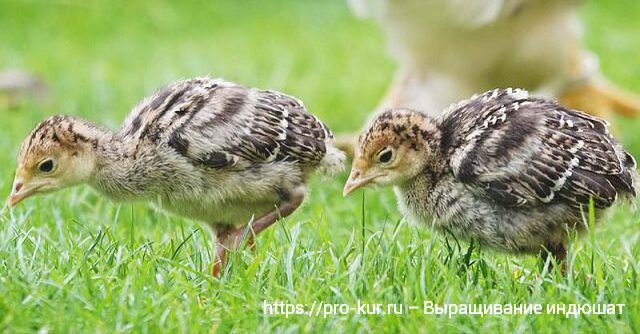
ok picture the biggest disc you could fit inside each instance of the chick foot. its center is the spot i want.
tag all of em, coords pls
(233, 238)
(601, 99)
(226, 239)
(558, 255)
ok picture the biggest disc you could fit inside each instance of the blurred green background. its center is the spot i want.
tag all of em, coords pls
(75, 262)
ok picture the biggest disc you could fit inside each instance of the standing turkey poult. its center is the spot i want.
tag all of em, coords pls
(205, 148)
(510, 171)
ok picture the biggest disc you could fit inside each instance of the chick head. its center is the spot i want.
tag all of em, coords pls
(55, 155)
(392, 149)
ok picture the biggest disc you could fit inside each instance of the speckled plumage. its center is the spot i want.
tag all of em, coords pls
(503, 168)
(204, 148)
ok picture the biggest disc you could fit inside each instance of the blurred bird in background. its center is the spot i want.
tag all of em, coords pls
(450, 49)
(17, 86)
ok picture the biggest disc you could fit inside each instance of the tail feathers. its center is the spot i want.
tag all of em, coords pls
(632, 166)
(333, 161)
(635, 183)
(347, 143)
(632, 195)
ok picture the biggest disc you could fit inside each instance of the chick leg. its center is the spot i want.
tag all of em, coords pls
(287, 206)
(232, 238)
(228, 238)
(558, 254)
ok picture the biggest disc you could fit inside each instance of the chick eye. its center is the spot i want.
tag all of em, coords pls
(386, 155)
(46, 166)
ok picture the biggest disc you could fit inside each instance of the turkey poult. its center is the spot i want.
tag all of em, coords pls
(205, 149)
(510, 171)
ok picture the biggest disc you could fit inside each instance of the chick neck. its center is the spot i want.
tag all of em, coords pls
(98, 146)
(128, 168)
(423, 137)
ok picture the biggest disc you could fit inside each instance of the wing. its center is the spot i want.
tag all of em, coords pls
(218, 124)
(529, 152)
(280, 129)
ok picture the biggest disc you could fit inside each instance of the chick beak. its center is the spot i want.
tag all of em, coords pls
(19, 192)
(356, 180)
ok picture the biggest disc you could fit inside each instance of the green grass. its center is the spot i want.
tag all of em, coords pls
(75, 262)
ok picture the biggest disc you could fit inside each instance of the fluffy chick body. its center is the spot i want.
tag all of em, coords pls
(510, 171)
(206, 149)
(221, 165)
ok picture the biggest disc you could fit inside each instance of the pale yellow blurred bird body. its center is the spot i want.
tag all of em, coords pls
(450, 49)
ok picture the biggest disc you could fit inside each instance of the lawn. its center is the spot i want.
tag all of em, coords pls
(75, 263)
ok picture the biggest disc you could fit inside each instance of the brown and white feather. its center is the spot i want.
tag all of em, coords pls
(509, 170)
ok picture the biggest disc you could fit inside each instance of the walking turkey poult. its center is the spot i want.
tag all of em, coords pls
(204, 148)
